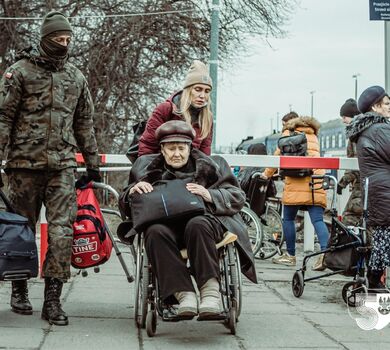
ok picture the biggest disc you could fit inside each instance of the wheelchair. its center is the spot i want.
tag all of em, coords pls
(149, 304)
(267, 211)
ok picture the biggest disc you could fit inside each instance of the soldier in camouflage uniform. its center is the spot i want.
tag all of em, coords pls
(45, 114)
(353, 211)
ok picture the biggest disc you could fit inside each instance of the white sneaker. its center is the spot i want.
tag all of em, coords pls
(210, 299)
(188, 303)
(285, 259)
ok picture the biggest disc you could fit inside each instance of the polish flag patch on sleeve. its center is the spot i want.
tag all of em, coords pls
(8, 75)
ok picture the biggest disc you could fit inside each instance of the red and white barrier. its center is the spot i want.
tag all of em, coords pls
(259, 161)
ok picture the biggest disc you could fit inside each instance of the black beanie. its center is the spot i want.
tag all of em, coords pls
(55, 22)
(369, 97)
(349, 108)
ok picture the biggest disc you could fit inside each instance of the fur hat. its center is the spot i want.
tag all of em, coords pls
(175, 131)
(55, 22)
(369, 97)
(197, 74)
(349, 108)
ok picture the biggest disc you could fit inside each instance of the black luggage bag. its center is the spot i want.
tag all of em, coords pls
(18, 249)
(344, 255)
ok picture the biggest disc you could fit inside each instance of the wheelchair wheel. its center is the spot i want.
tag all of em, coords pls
(141, 285)
(350, 293)
(273, 236)
(144, 291)
(235, 278)
(232, 322)
(151, 323)
(298, 283)
(254, 228)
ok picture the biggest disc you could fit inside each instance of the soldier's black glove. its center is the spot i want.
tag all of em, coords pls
(92, 175)
(339, 189)
(1, 180)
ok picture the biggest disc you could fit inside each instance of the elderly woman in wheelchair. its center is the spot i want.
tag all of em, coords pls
(211, 179)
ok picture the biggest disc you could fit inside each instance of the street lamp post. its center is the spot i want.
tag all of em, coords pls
(214, 41)
(355, 76)
(312, 102)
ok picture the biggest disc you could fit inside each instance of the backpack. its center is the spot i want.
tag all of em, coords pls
(91, 245)
(132, 151)
(294, 144)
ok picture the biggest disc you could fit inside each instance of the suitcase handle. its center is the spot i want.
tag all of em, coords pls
(16, 254)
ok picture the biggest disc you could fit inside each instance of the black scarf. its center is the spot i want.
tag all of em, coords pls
(53, 50)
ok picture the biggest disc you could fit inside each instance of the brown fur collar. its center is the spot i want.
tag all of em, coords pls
(304, 122)
(207, 171)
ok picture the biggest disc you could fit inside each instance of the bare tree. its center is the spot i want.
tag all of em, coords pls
(133, 62)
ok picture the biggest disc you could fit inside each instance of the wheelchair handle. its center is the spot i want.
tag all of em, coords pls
(331, 180)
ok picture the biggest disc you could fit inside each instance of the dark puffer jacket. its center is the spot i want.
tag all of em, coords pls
(371, 132)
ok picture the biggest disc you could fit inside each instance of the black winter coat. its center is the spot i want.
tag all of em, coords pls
(214, 174)
(371, 132)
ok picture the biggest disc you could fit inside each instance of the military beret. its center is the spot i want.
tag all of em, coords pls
(175, 131)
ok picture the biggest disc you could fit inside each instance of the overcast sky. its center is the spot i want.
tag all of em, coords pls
(328, 41)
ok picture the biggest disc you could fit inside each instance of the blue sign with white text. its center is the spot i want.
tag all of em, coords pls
(379, 10)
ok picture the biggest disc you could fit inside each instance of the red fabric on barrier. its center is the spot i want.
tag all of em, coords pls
(80, 158)
(309, 162)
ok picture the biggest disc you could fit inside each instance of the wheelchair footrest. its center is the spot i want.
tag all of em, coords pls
(221, 317)
(170, 315)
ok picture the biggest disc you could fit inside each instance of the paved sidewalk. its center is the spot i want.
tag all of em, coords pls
(100, 308)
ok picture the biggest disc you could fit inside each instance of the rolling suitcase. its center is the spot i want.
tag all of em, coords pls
(18, 249)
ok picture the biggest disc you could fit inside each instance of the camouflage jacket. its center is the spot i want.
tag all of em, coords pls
(353, 210)
(46, 113)
(351, 176)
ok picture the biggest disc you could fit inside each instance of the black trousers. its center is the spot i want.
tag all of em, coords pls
(163, 243)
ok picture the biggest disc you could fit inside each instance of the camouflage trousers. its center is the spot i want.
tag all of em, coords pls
(28, 190)
(353, 212)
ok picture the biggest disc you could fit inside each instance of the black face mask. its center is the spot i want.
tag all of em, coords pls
(53, 49)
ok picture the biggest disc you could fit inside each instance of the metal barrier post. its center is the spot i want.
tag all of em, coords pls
(308, 233)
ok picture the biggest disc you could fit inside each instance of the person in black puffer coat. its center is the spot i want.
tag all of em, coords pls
(371, 132)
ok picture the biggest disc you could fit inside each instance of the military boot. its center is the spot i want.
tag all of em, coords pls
(19, 298)
(51, 310)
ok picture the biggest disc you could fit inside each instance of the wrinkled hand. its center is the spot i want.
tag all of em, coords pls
(339, 189)
(141, 187)
(200, 191)
(92, 175)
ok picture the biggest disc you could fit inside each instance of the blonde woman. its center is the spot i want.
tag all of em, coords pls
(192, 105)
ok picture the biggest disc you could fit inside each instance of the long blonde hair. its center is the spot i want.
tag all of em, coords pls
(205, 115)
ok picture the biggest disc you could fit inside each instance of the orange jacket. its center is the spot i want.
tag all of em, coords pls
(297, 189)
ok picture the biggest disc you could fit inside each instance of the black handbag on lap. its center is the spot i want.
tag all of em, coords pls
(169, 200)
(18, 249)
